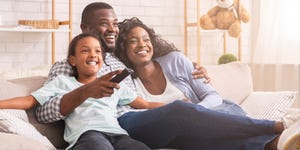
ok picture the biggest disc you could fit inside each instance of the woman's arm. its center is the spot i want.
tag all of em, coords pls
(25, 102)
(177, 68)
(140, 103)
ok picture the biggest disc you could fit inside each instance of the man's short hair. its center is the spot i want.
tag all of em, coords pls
(89, 10)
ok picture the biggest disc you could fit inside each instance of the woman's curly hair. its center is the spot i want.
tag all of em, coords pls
(160, 46)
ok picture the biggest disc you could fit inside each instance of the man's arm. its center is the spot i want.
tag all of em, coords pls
(200, 72)
(50, 110)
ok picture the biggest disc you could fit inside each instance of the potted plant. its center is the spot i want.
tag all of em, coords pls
(226, 58)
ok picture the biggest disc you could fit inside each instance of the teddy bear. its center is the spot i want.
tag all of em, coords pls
(227, 15)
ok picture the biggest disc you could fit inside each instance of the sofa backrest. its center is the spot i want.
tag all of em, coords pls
(233, 80)
(53, 131)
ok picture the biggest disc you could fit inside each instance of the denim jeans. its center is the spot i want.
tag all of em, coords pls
(189, 126)
(96, 140)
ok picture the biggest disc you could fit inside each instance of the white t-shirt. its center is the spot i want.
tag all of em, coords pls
(170, 94)
(93, 114)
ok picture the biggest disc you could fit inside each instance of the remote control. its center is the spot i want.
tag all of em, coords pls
(119, 77)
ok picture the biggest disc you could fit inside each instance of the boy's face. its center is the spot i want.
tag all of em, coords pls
(104, 23)
(88, 57)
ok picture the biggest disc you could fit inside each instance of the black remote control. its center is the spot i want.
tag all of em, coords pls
(119, 77)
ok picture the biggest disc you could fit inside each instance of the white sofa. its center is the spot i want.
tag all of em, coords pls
(232, 80)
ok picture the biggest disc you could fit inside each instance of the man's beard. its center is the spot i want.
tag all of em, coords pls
(106, 48)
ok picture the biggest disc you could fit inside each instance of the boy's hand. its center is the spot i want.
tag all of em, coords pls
(102, 87)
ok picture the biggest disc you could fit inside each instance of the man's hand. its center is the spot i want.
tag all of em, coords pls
(200, 72)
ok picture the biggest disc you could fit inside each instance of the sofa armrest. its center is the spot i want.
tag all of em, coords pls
(268, 105)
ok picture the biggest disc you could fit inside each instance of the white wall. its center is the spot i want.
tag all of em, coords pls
(28, 50)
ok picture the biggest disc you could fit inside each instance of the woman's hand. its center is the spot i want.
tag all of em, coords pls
(200, 72)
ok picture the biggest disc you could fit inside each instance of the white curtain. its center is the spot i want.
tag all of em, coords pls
(278, 32)
(276, 44)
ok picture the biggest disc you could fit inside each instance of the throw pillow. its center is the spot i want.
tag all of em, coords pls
(12, 124)
(269, 105)
(8, 142)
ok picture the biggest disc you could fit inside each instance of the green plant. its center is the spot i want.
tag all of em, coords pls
(226, 58)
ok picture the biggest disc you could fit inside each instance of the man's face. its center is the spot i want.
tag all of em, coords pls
(104, 23)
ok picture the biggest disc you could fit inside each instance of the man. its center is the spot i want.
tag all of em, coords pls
(176, 125)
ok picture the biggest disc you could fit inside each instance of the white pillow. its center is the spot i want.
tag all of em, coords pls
(269, 105)
(232, 80)
(12, 124)
(10, 141)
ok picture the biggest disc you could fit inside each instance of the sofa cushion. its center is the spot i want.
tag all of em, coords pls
(233, 80)
(31, 83)
(12, 124)
(16, 121)
(269, 105)
(8, 142)
(53, 131)
(16, 73)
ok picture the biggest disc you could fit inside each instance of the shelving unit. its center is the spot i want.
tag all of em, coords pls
(70, 26)
(52, 31)
(4, 29)
(196, 25)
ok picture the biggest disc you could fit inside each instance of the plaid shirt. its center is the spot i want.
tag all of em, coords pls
(50, 111)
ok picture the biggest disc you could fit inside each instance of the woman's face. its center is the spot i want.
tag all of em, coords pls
(88, 57)
(139, 47)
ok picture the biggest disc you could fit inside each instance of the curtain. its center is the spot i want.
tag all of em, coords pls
(276, 44)
(278, 32)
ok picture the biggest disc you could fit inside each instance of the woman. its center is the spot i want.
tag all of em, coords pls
(139, 47)
(168, 74)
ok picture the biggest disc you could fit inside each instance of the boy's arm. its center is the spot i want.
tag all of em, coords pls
(101, 87)
(140, 103)
(25, 102)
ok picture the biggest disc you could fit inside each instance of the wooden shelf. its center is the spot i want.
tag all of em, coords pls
(68, 29)
(32, 30)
